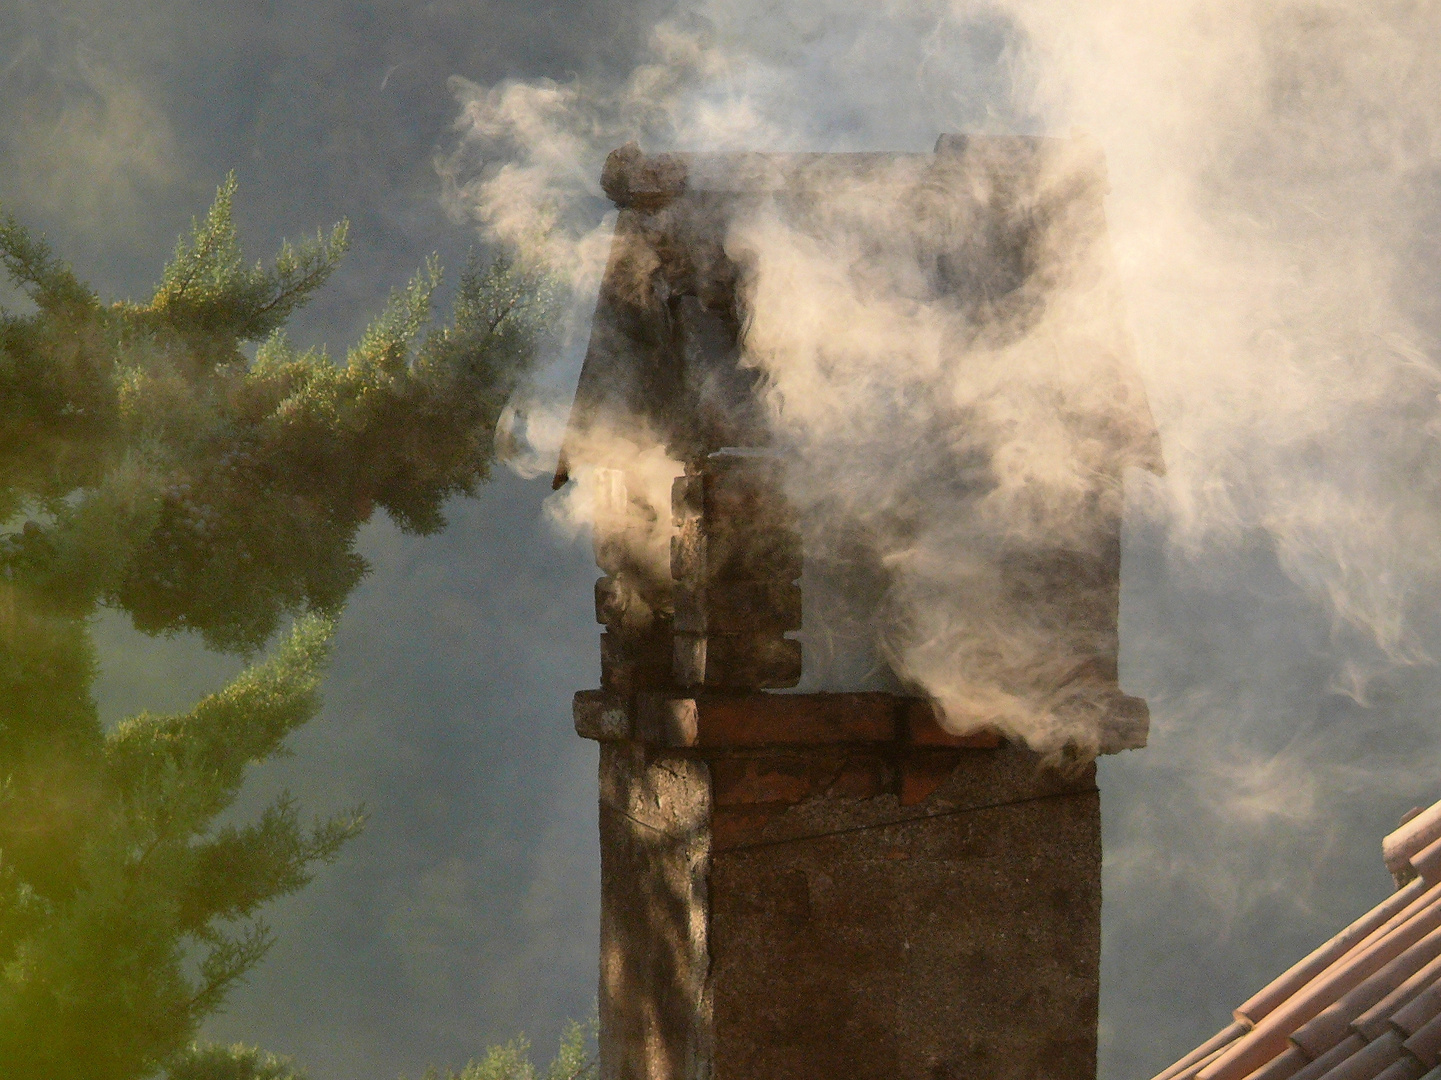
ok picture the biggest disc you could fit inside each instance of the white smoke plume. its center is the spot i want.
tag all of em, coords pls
(626, 501)
(1275, 218)
(1273, 198)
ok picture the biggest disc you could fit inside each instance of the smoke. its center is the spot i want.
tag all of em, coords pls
(1272, 217)
(82, 137)
(971, 429)
(1266, 213)
(626, 502)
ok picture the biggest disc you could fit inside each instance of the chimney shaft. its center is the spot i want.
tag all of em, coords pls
(798, 886)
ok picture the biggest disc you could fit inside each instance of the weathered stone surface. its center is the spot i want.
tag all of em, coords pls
(688, 659)
(746, 489)
(631, 662)
(731, 609)
(1125, 722)
(810, 887)
(620, 604)
(665, 720)
(960, 944)
(746, 661)
(600, 716)
(687, 498)
(737, 607)
(655, 1008)
(857, 903)
(736, 662)
(630, 178)
(728, 554)
(757, 554)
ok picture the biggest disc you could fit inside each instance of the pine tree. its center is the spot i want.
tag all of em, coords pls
(148, 465)
(511, 1060)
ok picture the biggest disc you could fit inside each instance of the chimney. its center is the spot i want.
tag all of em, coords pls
(829, 883)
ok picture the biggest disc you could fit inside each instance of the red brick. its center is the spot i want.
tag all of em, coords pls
(789, 778)
(732, 827)
(795, 719)
(745, 781)
(922, 774)
(744, 720)
(859, 778)
(923, 729)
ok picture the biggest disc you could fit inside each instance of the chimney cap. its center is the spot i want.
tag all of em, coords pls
(627, 380)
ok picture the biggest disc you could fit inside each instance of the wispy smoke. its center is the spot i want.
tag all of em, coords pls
(1273, 219)
(967, 432)
(1267, 210)
(82, 137)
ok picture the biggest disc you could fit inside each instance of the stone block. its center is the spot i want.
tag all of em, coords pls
(737, 607)
(736, 662)
(726, 552)
(654, 959)
(748, 489)
(664, 720)
(620, 603)
(631, 662)
(600, 716)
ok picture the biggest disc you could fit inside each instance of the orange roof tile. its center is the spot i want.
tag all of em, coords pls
(1416, 832)
(1366, 1005)
(1330, 1059)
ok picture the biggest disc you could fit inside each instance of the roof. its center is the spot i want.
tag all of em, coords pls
(1366, 1005)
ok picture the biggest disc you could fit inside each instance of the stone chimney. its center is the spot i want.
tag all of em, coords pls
(798, 886)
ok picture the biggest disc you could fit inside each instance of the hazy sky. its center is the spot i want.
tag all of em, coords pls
(1250, 827)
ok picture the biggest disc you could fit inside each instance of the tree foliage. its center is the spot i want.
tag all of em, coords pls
(511, 1060)
(149, 465)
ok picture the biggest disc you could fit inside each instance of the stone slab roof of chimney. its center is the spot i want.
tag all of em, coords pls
(1366, 1005)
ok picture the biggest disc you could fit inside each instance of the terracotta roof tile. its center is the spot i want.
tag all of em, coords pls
(1427, 861)
(1415, 1015)
(1368, 1062)
(1331, 1058)
(1269, 1037)
(1333, 1023)
(1318, 961)
(1196, 1066)
(1408, 1068)
(1188, 1065)
(1283, 1067)
(1426, 1043)
(1413, 835)
(1373, 1021)
(1366, 1005)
